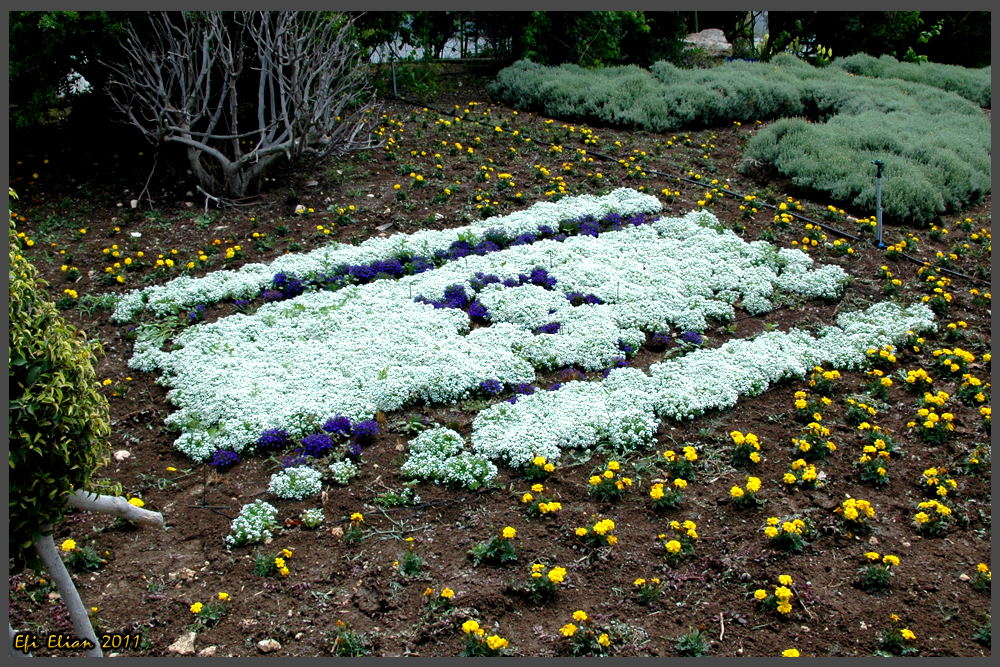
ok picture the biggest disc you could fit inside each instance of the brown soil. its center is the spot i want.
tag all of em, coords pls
(152, 577)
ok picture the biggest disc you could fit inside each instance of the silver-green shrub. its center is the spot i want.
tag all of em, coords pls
(972, 84)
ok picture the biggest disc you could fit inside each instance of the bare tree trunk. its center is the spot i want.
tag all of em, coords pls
(54, 565)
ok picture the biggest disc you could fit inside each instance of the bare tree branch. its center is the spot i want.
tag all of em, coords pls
(313, 93)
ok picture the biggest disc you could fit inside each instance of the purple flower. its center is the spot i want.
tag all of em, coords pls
(242, 305)
(545, 230)
(197, 314)
(273, 439)
(482, 280)
(690, 338)
(288, 284)
(511, 282)
(625, 348)
(524, 388)
(550, 328)
(294, 460)
(365, 431)
(555, 386)
(339, 424)
(512, 400)
(573, 374)
(270, 295)
(418, 265)
(362, 273)
(223, 458)
(477, 309)
(455, 296)
(485, 248)
(491, 386)
(541, 277)
(317, 444)
(525, 239)
(661, 339)
(354, 449)
(590, 229)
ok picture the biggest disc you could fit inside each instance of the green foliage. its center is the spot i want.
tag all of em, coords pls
(58, 422)
(935, 145)
(45, 47)
(972, 84)
(692, 645)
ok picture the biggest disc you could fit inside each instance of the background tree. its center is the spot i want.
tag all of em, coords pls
(183, 83)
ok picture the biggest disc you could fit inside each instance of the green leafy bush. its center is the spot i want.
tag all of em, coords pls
(936, 145)
(972, 84)
(58, 422)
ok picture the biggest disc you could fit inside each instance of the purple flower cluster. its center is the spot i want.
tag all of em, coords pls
(339, 425)
(317, 444)
(571, 374)
(287, 284)
(550, 328)
(223, 458)
(242, 305)
(269, 295)
(525, 388)
(273, 439)
(491, 387)
(197, 314)
(365, 431)
(660, 339)
(626, 349)
(692, 338)
(294, 460)
(579, 298)
(616, 362)
(478, 310)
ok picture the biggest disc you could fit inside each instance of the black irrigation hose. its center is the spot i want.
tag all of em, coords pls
(834, 230)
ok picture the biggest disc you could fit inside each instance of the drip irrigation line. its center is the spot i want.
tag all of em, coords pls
(734, 194)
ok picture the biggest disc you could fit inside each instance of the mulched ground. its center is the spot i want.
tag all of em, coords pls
(66, 183)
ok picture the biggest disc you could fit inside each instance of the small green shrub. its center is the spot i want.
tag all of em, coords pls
(58, 421)
(973, 84)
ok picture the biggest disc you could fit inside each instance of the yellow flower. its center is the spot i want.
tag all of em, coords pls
(891, 560)
(639, 582)
(557, 574)
(680, 483)
(673, 546)
(608, 474)
(68, 545)
(982, 567)
(136, 502)
(357, 516)
(580, 532)
(223, 596)
(279, 562)
(785, 608)
(537, 488)
(580, 616)
(760, 594)
(527, 498)
(171, 469)
(790, 653)
(287, 553)
(594, 480)
(907, 634)
(509, 533)
(785, 580)
(496, 643)
(470, 626)
(447, 593)
(604, 641)
(736, 492)
(753, 484)
(196, 608)
(568, 630)
(771, 532)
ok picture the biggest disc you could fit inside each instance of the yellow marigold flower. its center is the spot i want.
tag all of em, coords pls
(223, 596)
(557, 574)
(907, 634)
(737, 437)
(470, 626)
(279, 562)
(527, 498)
(549, 467)
(789, 478)
(790, 653)
(872, 556)
(196, 608)
(136, 501)
(496, 643)
(891, 560)
(357, 516)
(613, 465)
(447, 594)
(612, 540)
(785, 580)
(608, 474)
(509, 533)
(753, 484)
(594, 480)
(580, 616)
(982, 567)
(785, 608)
(428, 592)
(673, 546)
(580, 532)
(680, 483)
(287, 553)
(639, 582)
(736, 492)
(68, 545)
(568, 630)
(604, 641)
(760, 594)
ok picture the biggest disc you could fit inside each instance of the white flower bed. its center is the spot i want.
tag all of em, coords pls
(254, 524)
(580, 414)
(296, 363)
(250, 279)
(296, 483)
(439, 455)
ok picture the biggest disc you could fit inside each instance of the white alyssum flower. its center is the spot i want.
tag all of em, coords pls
(247, 282)
(296, 483)
(626, 408)
(254, 524)
(342, 472)
(312, 518)
(371, 347)
(439, 455)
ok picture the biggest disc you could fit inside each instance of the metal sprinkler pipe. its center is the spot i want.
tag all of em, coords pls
(878, 202)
